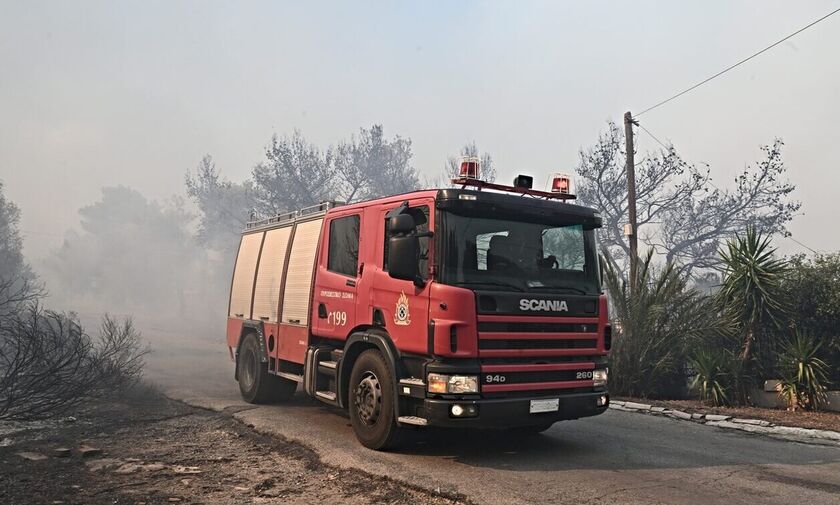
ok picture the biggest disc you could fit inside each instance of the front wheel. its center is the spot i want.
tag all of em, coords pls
(372, 409)
(255, 383)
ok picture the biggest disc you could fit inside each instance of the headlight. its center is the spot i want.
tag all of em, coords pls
(453, 384)
(600, 377)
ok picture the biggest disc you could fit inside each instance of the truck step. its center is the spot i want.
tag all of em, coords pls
(328, 368)
(327, 396)
(416, 421)
(291, 376)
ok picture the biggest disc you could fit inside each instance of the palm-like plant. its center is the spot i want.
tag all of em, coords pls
(752, 279)
(653, 325)
(805, 374)
(710, 367)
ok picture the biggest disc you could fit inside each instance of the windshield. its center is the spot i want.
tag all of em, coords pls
(503, 254)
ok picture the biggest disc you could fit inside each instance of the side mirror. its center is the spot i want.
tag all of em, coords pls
(404, 257)
(401, 223)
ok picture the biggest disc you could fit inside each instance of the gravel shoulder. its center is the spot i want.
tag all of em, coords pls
(147, 449)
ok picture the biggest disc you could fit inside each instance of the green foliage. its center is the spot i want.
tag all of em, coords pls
(711, 368)
(654, 326)
(752, 285)
(12, 263)
(813, 286)
(804, 380)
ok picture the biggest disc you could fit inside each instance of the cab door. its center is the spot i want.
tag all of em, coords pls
(337, 276)
(402, 305)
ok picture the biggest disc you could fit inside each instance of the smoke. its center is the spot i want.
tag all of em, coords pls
(140, 257)
(169, 264)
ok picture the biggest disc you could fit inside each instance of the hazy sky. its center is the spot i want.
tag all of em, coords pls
(135, 93)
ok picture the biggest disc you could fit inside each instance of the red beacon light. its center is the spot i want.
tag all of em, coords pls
(561, 183)
(469, 168)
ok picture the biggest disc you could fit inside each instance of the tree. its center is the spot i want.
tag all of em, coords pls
(12, 263)
(224, 206)
(681, 214)
(131, 255)
(370, 166)
(453, 164)
(813, 288)
(804, 373)
(296, 174)
(752, 286)
(656, 325)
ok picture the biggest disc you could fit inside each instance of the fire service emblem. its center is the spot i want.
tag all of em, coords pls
(401, 315)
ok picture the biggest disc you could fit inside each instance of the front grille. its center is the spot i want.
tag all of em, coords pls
(576, 343)
(547, 393)
(541, 360)
(510, 327)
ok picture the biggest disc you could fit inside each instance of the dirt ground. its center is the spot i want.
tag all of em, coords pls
(799, 418)
(155, 450)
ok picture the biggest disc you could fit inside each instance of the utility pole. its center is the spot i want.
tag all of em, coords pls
(631, 197)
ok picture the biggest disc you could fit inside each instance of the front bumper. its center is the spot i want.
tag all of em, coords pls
(511, 412)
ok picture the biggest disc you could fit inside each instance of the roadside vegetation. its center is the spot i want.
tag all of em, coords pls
(675, 341)
(48, 362)
(721, 311)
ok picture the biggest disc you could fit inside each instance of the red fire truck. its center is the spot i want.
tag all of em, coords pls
(478, 306)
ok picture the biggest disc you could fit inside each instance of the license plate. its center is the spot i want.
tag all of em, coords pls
(550, 405)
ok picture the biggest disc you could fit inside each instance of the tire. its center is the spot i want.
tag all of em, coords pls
(255, 383)
(371, 399)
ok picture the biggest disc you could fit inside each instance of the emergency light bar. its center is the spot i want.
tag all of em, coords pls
(521, 188)
(561, 183)
(469, 167)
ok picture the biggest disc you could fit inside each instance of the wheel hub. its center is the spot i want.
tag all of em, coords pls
(248, 371)
(368, 398)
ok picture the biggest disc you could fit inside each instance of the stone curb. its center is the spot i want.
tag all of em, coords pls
(727, 422)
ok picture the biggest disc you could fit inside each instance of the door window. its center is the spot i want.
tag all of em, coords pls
(421, 218)
(343, 257)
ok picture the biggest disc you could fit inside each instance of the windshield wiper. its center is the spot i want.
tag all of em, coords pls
(567, 288)
(489, 283)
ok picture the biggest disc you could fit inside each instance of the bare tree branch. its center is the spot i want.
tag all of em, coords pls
(680, 212)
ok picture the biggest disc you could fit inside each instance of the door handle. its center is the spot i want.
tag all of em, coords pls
(351, 283)
(322, 311)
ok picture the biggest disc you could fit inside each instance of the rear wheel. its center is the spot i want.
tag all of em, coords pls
(255, 383)
(372, 411)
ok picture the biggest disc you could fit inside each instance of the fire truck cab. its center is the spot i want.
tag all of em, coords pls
(476, 307)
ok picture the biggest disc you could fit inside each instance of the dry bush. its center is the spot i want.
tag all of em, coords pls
(49, 364)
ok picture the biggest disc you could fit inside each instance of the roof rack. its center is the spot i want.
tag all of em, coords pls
(292, 216)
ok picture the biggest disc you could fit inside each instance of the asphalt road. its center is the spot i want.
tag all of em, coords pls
(618, 457)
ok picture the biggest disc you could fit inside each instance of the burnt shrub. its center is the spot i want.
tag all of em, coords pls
(49, 364)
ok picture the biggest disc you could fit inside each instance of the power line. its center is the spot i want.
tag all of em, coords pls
(727, 69)
(654, 137)
(803, 245)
